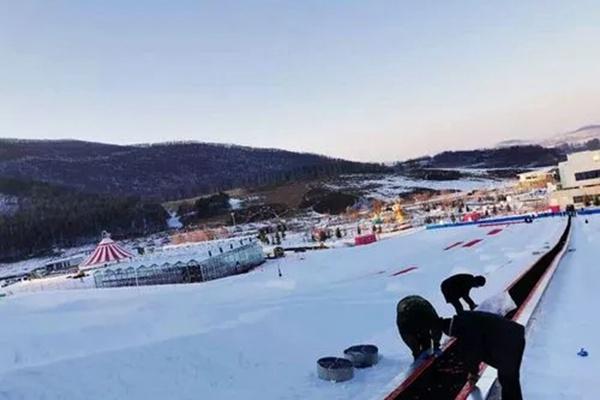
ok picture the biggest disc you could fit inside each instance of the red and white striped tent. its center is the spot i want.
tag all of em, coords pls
(106, 252)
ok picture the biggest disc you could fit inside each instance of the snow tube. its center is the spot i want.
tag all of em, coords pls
(335, 369)
(362, 355)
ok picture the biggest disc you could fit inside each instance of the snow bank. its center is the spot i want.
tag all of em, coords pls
(500, 304)
(174, 221)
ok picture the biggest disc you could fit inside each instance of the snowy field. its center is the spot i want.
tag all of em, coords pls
(389, 186)
(566, 321)
(254, 335)
(26, 266)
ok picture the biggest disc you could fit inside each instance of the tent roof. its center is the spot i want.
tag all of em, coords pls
(107, 251)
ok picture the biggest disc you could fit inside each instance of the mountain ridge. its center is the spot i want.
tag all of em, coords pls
(572, 140)
(169, 170)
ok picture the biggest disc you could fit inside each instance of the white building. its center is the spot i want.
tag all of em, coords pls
(196, 262)
(58, 267)
(580, 169)
(579, 180)
(538, 179)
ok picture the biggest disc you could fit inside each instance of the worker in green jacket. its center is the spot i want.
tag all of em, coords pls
(418, 325)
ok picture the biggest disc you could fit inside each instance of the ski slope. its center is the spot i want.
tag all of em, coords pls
(567, 320)
(254, 335)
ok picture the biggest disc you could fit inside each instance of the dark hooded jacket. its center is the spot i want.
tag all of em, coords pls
(487, 337)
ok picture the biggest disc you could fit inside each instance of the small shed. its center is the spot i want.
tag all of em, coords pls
(554, 209)
(365, 239)
(471, 216)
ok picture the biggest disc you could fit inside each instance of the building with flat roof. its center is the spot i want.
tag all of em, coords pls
(538, 179)
(579, 180)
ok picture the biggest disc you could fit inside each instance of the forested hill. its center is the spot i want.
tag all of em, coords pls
(529, 156)
(46, 216)
(162, 171)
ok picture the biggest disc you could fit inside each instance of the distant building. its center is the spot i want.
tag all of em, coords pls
(471, 216)
(184, 264)
(579, 180)
(57, 267)
(536, 179)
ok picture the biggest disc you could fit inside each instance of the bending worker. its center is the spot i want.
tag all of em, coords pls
(458, 287)
(418, 325)
(489, 338)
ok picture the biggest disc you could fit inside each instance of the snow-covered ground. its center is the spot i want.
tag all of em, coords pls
(389, 186)
(566, 321)
(26, 266)
(155, 241)
(8, 204)
(174, 221)
(254, 335)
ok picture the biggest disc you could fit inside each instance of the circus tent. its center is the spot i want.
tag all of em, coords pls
(107, 251)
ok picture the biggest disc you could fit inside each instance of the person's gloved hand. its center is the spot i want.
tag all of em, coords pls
(472, 378)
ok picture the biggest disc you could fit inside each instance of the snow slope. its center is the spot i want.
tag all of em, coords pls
(254, 335)
(566, 320)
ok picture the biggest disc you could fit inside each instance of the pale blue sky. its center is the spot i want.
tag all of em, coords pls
(366, 80)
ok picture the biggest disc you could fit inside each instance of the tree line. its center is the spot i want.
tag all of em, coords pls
(166, 171)
(51, 217)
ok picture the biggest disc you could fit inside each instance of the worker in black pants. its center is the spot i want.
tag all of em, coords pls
(459, 287)
(494, 340)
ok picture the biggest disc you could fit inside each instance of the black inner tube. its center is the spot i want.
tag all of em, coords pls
(334, 363)
(362, 348)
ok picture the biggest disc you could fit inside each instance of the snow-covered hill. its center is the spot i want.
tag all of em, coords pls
(515, 142)
(576, 138)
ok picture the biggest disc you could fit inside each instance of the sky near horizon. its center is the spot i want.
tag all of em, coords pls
(364, 80)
